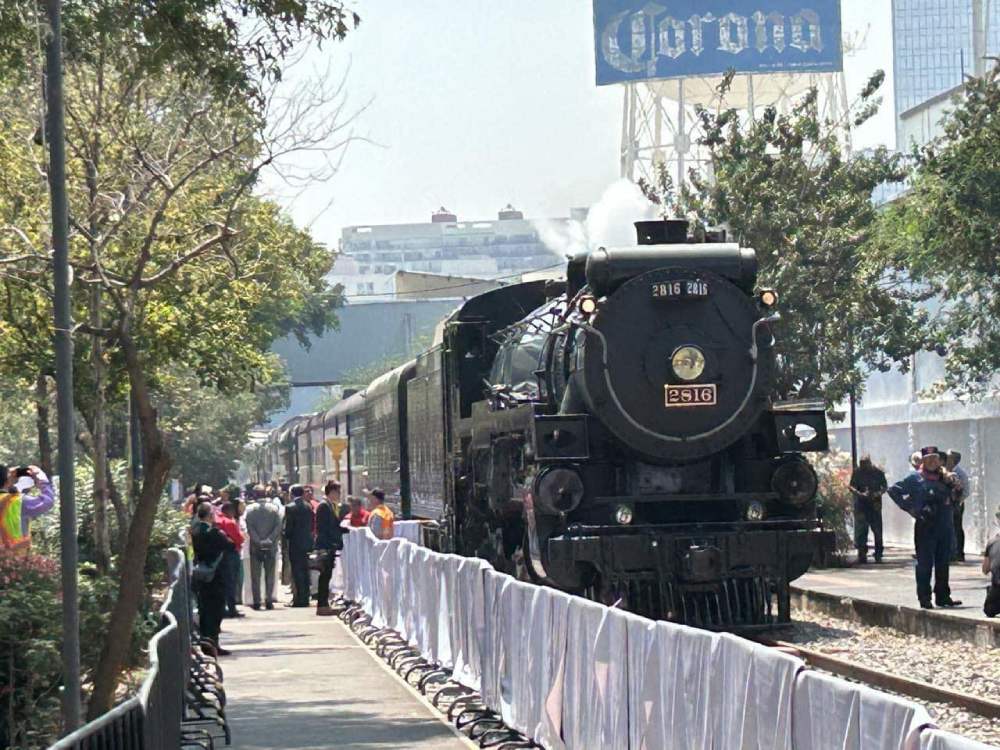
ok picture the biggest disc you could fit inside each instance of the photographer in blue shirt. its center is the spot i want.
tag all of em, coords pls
(926, 494)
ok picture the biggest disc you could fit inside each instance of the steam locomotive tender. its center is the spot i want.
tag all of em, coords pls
(614, 436)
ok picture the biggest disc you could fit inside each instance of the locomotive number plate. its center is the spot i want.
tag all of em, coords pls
(679, 289)
(690, 395)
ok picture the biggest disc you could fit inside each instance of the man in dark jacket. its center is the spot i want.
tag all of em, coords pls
(329, 539)
(926, 495)
(867, 485)
(299, 538)
(210, 546)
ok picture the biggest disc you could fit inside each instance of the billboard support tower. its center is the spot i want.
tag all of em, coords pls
(672, 59)
(660, 124)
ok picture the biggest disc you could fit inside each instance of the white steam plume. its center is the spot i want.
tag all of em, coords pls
(609, 222)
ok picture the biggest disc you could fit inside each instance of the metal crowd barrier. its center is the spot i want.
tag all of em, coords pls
(181, 702)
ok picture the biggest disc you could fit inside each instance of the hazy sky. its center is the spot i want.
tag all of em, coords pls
(476, 103)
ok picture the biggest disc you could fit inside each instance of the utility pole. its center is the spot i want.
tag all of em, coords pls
(854, 430)
(64, 366)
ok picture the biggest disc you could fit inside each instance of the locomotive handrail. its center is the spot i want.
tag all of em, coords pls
(673, 438)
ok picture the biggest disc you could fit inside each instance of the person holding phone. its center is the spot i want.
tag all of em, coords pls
(17, 508)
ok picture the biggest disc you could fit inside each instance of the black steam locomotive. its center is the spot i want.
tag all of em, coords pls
(614, 435)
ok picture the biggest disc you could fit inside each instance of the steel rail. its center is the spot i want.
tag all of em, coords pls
(889, 680)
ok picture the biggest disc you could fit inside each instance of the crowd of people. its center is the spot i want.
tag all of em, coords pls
(934, 494)
(239, 538)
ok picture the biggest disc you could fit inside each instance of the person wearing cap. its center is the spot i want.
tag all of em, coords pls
(381, 517)
(926, 495)
(300, 540)
(17, 508)
(958, 497)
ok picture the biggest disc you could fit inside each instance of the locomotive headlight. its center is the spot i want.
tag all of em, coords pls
(756, 511)
(623, 515)
(768, 298)
(587, 305)
(688, 363)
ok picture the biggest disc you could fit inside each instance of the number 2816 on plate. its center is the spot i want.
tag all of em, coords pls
(690, 395)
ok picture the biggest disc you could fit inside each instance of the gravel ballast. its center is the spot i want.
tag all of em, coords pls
(956, 665)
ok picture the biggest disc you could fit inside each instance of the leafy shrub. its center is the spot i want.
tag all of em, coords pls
(30, 659)
(31, 622)
(834, 503)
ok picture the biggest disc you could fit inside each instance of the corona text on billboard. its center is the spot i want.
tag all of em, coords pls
(639, 39)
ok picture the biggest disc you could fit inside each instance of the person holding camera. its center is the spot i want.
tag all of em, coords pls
(867, 485)
(17, 509)
(926, 495)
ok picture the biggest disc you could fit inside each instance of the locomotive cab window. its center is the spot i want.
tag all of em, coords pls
(516, 363)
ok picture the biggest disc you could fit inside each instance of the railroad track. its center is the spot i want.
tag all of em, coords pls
(890, 681)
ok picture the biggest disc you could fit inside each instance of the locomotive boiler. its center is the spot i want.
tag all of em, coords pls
(615, 435)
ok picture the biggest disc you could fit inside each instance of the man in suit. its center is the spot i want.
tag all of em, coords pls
(300, 541)
(264, 529)
(329, 539)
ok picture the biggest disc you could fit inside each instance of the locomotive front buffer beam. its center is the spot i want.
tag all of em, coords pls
(704, 577)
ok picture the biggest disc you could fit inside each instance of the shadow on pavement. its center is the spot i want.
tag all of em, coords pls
(286, 722)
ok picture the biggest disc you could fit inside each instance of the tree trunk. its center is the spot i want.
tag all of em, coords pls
(98, 426)
(42, 423)
(156, 469)
(86, 440)
(121, 510)
(102, 540)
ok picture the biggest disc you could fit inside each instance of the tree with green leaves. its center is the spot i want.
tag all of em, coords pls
(178, 262)
(942, 237)
(209, 428)
(230, 44)
(785, 185)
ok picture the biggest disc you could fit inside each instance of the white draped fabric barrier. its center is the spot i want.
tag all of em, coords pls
(935, 739)
(573, 675)
(830, 713)
(408, 530)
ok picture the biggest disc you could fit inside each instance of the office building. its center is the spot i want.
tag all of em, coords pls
(501, 247)
(936, 44)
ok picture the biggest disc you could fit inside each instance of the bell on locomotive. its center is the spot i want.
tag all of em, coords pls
(659, 469)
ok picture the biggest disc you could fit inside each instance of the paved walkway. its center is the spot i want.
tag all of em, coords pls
(893, 582)
(304, 682)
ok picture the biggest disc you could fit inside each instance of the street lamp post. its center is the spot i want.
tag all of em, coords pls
(63, 345)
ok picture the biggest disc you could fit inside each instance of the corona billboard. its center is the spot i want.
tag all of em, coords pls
(639, 40)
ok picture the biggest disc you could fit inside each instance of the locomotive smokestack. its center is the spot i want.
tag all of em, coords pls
(662, 231)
